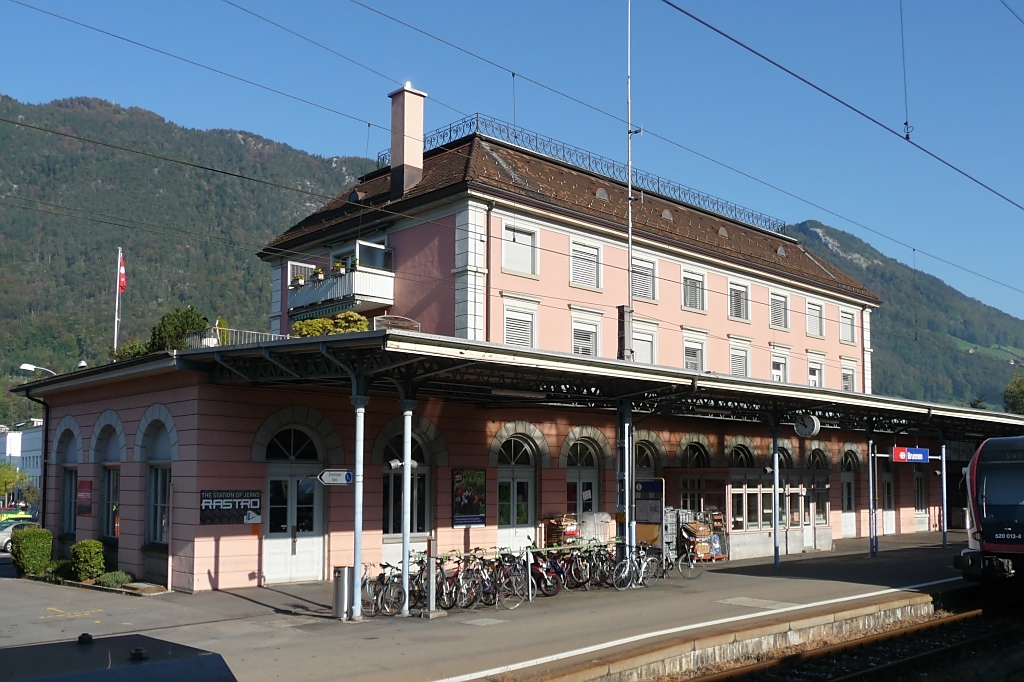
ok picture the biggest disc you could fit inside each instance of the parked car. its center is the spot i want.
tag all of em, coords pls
(8, 513)
(8, 527)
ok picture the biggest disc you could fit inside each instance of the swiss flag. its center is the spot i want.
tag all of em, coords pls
(122, 279)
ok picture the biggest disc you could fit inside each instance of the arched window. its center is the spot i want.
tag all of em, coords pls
(515, 451)
(582, 454)
(420, 502)
(601, 193)
(817, 460)
(785, 459)
(646, 456)
(67, 456)
(741, 457)
(108, 453)
(292, 445)
(849, 461)
(581, 487)
(696, 457)
(156, 450)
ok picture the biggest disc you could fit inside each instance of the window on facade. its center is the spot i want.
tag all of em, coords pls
(817, 460)
(696, 457)
(693, 356)
(583, 265)
(158, 503)
(738, 362)
(393, 482)
(519, 250)
(291, 444)
(814, 375)
(815, 320)
(69, 501)
(739, 304)
(779, 372)
(519, 328)
(920, 492)
(110, 526)
(645, 456)
(582, 453)
(643, 347)
(693, 291)
(691, 494)
(779, 311)
(741, 457)
(820, 494)
(643, 278)
(515, 452)
(848, 380)
(584, 338)
(847, 327)
(785, 459)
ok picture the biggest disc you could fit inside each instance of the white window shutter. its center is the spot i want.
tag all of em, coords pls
(814, 322)
(779, 312)
(584, 339)
(643, 348)
(643, 278)
(693, 357)
(738, 302)
(693, 292)
(583, 265)
(518, 329)
(519, 250)
(738, 363)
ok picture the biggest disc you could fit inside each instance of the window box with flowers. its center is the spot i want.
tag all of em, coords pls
(338, 269)
(298, 280)
(317, 275)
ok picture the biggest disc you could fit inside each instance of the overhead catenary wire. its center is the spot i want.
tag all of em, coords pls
(651, 133)
(907, 128)
(1012, 11)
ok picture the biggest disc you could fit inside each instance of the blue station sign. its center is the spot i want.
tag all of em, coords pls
(910, 455)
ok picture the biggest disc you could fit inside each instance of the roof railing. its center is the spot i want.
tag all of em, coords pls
(581, 158)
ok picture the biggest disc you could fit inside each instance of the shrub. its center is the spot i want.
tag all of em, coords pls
(87, 559)
(115, 579)
(343, 323)
(59, 571)
(31, 549)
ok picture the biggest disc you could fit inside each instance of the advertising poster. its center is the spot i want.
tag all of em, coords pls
(84, 498)
(469, 506)
(230, 507)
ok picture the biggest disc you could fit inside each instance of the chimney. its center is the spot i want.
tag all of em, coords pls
(406, 139)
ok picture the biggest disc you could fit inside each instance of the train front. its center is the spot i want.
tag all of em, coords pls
(995, 498)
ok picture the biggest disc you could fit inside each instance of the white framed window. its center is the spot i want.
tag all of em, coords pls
(110, 526)
(815, 319)
(780, 369)
(519, 250)
(779, 311)
(738, 360)
(585, 338)
(739, 302)
(693, 290)
(520, 328)
(849, 379)
(420, 505)
(69, 501)
(585, 265)
(815, 374)
(644, 346)
(847, 327)
(644, 279)
(693, 355)
(158, 503)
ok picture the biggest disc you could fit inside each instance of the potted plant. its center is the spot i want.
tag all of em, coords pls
(337, 270)
(298, 280)
(317, 276)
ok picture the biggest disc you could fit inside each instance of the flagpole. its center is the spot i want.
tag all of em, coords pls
(117, 297)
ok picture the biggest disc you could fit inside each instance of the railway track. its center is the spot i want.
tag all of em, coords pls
(931, 650)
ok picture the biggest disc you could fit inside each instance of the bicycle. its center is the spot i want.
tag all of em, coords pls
(689, 564)
(636, 568)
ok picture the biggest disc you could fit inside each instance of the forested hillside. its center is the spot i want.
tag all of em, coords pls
(931, 342)
(196, 231)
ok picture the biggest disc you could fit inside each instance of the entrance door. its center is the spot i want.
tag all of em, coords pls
(920, 500)
(293, 544)
(581, 491)
(888, 504)
(516, 523)
(849, 504)
(807, 519)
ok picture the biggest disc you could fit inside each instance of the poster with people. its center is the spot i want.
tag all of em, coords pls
(469, 506)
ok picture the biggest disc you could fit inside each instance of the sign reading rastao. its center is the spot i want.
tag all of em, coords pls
(230, 507)
(336, 477)
(910, 455)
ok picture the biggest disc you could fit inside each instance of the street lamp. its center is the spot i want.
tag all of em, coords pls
(26, 367)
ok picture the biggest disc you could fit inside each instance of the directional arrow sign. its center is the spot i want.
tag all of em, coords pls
(336, 477)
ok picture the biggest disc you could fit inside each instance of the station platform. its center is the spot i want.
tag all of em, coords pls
(285, 632)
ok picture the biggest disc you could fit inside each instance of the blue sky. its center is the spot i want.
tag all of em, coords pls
(689, 85)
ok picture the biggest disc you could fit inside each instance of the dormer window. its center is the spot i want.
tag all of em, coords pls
(601, 193)
(723, 233)
(781, 251)
(356, 196)
(666, 215)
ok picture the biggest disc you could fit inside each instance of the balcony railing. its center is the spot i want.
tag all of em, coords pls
(211, 337)
(581, 158)
(362, 289)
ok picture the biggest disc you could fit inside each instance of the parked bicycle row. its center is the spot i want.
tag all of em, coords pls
(506, 579)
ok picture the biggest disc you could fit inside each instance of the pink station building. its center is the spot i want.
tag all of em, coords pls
(492, 264)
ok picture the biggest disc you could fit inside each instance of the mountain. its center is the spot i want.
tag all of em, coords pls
(931, 342)
(196, 232)
(195, 237)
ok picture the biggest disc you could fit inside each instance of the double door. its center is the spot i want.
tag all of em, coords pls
(516, 503)
(293, 543)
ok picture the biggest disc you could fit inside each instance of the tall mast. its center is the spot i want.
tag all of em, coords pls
(627, 342)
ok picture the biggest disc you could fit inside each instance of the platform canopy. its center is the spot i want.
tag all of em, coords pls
(410, 364)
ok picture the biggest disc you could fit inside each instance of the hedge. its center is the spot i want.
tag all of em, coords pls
(31, 549)
(87, 559)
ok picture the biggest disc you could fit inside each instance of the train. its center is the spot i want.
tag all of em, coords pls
(995, 503)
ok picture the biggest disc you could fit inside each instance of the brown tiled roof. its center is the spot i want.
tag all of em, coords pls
(487, 164)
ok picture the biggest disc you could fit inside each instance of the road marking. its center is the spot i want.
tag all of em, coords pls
(484, 621)
(683, 628)
(73, 614)
(50, 608)
(753, 603)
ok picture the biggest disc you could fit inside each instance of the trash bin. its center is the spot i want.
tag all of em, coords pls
(343, 592)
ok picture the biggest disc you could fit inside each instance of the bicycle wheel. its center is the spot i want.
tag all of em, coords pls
(445, 594)
(370, 598)
(622, 576)
(511, 590)
(392, 598)
(690, 566)
(651, 571)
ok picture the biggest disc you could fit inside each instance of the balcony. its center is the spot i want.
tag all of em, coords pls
(212, 337)
(360, 290)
